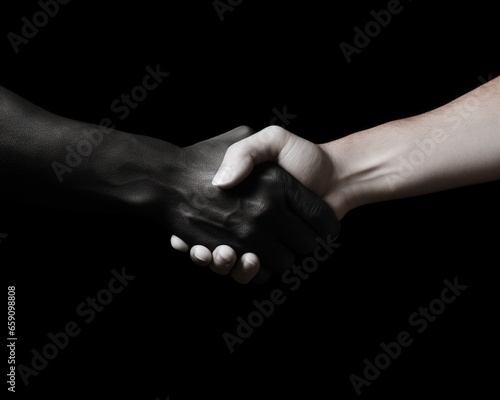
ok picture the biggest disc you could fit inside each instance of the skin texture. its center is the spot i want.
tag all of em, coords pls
(455, 145)
(57, 162)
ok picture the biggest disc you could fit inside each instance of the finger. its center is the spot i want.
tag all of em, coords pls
(296, 234)
(179, 244)
(241, 157)
(200, 255)
(223, 259)
(246, 268)
(312, 210)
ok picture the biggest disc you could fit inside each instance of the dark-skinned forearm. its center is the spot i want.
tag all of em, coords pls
(53, 161)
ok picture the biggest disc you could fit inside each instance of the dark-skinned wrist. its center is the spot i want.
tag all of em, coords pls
(127, 173)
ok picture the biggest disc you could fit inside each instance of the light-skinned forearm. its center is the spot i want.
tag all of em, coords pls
(455, 145)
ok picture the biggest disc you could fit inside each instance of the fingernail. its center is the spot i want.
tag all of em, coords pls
(250, 267)
(201, 260)
(222, 260)
(222, 176)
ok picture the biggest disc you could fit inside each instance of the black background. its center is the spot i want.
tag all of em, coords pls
(163, 334)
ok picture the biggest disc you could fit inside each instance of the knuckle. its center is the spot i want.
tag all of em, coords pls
(272, 134)
(247, 233)
(281, 136)
(274, 131)
(262, 209)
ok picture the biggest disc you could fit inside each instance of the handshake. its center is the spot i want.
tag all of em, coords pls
(252, 219)
(246, 203)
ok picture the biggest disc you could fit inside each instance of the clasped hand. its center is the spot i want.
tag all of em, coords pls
(252, 220)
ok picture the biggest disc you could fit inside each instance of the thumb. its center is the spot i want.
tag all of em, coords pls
(243, 156)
